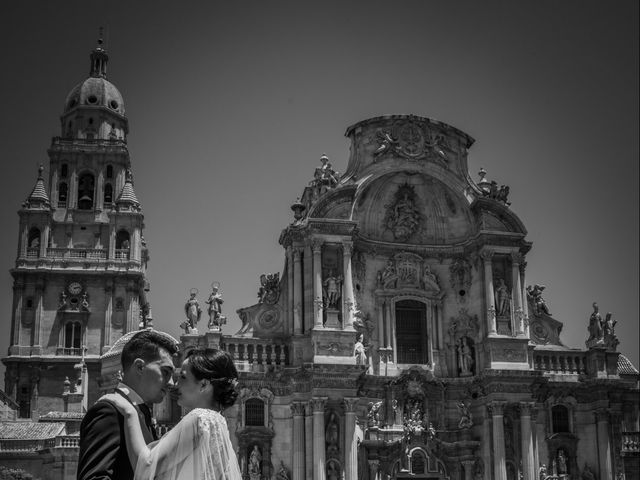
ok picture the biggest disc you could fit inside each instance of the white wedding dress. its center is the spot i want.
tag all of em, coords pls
(197, 448)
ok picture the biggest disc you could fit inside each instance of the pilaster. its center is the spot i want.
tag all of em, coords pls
(348, 304)
(604, 445)
(351, 454)
(318, 404)
(297, 409)
(496, 410)
(317, 282)
(527, 446)
(488, 289)
(297, 292)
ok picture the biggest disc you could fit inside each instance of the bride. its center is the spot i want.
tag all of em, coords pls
(199, 445)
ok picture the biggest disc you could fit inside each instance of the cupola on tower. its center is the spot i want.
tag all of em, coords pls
(79, 277)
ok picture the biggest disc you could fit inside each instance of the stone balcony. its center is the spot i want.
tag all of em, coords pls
(78, 258)
(558, 362)
(630, 443)
(253, 354)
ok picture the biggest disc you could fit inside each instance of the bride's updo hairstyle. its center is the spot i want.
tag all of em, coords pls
(217, 367)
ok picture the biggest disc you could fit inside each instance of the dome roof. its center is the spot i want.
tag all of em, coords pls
(95, 91)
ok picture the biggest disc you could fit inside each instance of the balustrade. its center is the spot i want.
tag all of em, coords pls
(256, 352)
(67, 441)
(75, 352)
(33, 252)
(560, 362)
(630, 442)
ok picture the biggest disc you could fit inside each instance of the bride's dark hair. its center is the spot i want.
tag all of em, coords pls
(217, 367)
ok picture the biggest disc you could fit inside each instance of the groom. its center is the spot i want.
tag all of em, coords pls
(147, 365)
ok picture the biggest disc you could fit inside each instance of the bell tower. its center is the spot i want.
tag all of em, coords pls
(79, 281)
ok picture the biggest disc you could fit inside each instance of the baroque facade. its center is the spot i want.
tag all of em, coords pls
(400, 340)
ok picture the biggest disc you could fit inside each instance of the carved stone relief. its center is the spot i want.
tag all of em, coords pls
(403, 215)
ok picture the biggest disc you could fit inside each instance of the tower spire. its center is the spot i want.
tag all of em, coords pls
(99, 58)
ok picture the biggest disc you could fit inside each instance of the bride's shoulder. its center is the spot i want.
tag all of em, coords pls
(206, 415)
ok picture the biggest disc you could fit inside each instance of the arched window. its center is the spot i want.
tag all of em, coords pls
(33, 243)
(123, 244)
(62, 194)
(254, 412)
(108, 193)
(411, 332)
(109, 171)
(560, 419)
(418, 463)
(85, 192)
(72, 336)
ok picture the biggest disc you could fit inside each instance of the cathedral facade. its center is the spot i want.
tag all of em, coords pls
(401, 339)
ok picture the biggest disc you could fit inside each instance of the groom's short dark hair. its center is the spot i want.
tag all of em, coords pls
(146, 345)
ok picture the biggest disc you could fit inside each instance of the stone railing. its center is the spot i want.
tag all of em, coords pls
(560, 362)
(122, 253)
(20, 445)
(33, 252)
(67, 441)
(248, 352)
(98, 253)
(75, 352)
(630, 442)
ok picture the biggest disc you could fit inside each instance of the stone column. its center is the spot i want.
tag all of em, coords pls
(516, 292)
(488, 288)
(18, 295)
(99, 192)
(387, 311)
(604, 446)
(307, 288)
(297, 292)
(374, 469)
(468, 469)
(297, 409)
(308, 439)
(108, 313)
(317, 282)
(486, 445)
(290, 305)
(525, 300)
(39, 300)
(44, 241)
(499, 465)
(348, 301)
(318, 404)
(528, 459)
(350, 447)
(112, 242)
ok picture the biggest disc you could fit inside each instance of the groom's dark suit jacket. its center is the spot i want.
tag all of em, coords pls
(103, 452)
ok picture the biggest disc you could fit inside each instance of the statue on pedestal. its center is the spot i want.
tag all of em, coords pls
(359, 351)
(503, 298)
(255, 464)
(539, 305)
(388, 277)
(193, 312)
(595, 324)
(465, 357)
(215, 307)
(465, 416)
(332, 288)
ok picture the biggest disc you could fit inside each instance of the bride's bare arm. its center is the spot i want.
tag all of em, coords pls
(136, 446)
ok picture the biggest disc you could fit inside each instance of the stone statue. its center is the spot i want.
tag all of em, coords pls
(333, 472)
(465, 356)
(324, 177)
(332, 287)
(403, 217)
(214, 308)
(429, 280)
(332, 435)
(193, 312)
(503, 298)
(587, 473)
(542, 472)
(608, 327)
(539, 305)
(562, 462)
(388, 277)
(373, 415)
(465, 416)
(269, 288)
(255, 463)
(359, 351)
(283, 473)
(386, 142)
(595, 324)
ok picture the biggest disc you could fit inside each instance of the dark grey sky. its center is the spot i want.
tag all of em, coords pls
(231, 105)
